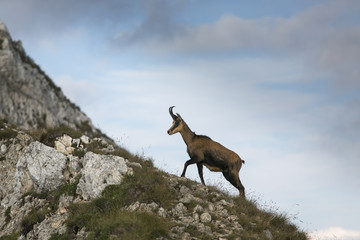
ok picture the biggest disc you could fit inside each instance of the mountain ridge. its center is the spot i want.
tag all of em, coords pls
(28, 96)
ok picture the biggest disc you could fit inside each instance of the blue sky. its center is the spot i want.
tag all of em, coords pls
(276, 82)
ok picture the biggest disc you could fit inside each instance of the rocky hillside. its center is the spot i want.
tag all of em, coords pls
(75, 187)
(28, 97)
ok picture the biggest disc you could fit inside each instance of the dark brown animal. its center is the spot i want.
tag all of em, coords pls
(204, 151)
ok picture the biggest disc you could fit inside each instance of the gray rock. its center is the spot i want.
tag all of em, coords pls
(74, 165)
(205, 218)
(268, 234)
(198, 209)
(3, 149)
(179, 210)
(43, 165)
(186, 236)
(187, 198)
(85, 139)
(63, 145)
(162, 212)
(100, 171)
(133, 207)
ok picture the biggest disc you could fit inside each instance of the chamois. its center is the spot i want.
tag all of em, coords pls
(204, 151)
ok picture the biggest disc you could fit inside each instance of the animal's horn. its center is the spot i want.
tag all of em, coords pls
(172, 114)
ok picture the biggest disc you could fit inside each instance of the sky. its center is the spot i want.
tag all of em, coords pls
(277, 82)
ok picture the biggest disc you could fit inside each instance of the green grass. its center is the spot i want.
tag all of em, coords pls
(13, 236)
(38, 214)
(7, 215)
(49, 136)
(192, 230)
(255, 221)
(3, 122)
(105, 217)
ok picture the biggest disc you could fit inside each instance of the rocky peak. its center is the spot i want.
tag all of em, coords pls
(28, 97)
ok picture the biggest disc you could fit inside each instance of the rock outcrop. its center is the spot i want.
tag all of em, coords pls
(100, 171)
(28, 97)
(29, 168)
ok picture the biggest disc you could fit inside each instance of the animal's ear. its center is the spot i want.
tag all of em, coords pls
(179, 116)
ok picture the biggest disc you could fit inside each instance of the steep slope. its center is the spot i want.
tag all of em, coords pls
(28, 97)
(83, 188)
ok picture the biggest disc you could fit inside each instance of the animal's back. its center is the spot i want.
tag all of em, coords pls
(216, 156)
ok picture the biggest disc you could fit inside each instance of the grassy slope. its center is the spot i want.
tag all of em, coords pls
(106, 217)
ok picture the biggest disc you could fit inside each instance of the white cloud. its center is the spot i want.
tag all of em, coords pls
(322, 37)
(335, 233)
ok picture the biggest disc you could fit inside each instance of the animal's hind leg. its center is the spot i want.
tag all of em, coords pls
(235, 181)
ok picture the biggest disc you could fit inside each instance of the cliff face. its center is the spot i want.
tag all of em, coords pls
(28, 97)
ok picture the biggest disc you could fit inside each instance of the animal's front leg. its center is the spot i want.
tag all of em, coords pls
(187, 163)
(200, 170)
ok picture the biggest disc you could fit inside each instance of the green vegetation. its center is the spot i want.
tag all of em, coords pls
(104, 216)
(7, 133)
(107, 218)
(13, 236)
(7, 215)
(49, 136)
(52, 197)
(3, 122)
(85, 127)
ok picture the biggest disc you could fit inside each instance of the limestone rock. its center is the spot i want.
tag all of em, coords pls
(179, 210)
(29, 98)
(205, 218)
(43, 165)
(100, 171)
(64, 145)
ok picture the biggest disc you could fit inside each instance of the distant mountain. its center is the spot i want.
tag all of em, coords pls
(28, 97)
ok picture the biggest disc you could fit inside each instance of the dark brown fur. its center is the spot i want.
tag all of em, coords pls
(205, 152)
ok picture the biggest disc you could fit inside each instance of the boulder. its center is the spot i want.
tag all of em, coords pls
(100, 171)
(41, 168)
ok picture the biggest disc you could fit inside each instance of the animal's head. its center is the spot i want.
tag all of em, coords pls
(177, 124)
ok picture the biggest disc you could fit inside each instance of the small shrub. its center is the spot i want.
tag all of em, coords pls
(7, 215)
(48, 138)
(96, 147)
(7, 133)
(194, 232)
(78, 152)
(58, 236)
(3, 122)
(85, 127)
(13, 236)
(35, 216)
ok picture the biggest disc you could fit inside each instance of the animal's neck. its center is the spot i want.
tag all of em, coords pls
(187, 134)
